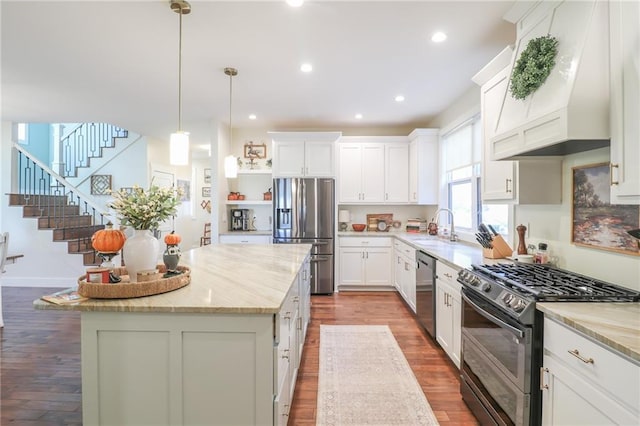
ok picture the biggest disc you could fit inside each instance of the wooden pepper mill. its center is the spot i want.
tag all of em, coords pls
(522, 247)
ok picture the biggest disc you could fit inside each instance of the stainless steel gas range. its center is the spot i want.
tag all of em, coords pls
(502, 334)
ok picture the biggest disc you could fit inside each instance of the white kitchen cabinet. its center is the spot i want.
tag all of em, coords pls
(624, 44)
(448, 311)
(584, 383)
(361, 173)
(396, 173)
(531, 181)
(373, 169)
(304, 154)
(245, 239)
(364, 262)
(405, 272)
(423, 166)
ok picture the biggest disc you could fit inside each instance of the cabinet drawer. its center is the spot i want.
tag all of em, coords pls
(365, 242)
(607, 370)
(405, 250)
(447, 274)
(245, 239)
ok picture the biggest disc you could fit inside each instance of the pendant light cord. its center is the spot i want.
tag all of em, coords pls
(180, 74)
(230, 72)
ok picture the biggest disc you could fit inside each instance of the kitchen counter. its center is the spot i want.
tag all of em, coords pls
(222, 350)
(457, 254)
(616, 325)
(267, 232)
(225, 278)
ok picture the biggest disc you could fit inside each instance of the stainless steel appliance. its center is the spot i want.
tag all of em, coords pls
(239, 219)
(502, 334)
(303, 211)
(426, 292)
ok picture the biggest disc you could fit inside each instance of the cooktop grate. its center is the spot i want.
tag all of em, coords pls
(548, 283)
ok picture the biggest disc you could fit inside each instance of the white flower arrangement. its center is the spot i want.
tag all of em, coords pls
(142, 209)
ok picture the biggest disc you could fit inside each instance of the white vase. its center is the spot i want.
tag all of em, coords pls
(140, 253)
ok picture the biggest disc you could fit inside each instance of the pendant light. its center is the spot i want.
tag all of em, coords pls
(179, 142)
(230, 162)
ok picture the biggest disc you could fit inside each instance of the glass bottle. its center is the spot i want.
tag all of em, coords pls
(542, 255)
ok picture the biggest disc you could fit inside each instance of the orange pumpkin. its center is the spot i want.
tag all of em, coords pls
(172, 239)
(108, 240)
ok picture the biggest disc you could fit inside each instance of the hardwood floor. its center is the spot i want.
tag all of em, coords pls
(40, 380)
(437, 376)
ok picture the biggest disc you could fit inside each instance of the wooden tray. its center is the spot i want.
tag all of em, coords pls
(126, 289)
(372, 221)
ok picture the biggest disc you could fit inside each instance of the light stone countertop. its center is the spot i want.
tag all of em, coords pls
(245, 233)
(616, 325)
(225, 278)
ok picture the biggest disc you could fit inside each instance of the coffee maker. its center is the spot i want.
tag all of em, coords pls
(239, 219)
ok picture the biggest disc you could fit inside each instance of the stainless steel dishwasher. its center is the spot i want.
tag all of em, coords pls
(426, 292)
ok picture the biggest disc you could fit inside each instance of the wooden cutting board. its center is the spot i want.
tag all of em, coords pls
(372, 221)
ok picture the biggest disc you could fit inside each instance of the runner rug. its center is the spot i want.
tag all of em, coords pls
(364, 379)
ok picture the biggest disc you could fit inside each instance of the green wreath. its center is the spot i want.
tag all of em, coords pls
(534, 66)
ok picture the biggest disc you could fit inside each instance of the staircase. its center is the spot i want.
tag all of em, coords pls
(54, 202)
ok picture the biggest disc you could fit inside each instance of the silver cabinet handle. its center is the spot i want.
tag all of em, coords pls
(285, 354)
(580, 357)
(448, 275)
(506, 182)
(543, 386)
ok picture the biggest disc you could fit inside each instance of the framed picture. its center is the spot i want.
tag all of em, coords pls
(207, 175)
(186, 189)
(100, 184)
(595, 221)
(255, 151)
(206, 191)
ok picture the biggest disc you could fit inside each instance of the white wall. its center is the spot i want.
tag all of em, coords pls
(552, 224)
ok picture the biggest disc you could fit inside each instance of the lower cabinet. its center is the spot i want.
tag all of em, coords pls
(365, 262)
(245, 239)
(405, 272)
(448, 311)
(585, 383)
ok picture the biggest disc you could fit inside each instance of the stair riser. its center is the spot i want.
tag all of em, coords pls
(33, 211)
(74, 233)
(63, 222)
(79, 246)
(37, 200)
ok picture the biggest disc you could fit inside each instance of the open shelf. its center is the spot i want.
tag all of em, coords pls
(248, 202)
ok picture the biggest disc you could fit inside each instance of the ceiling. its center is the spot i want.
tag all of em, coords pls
(117, 62)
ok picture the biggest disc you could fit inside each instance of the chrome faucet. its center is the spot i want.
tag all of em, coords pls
(453, 236)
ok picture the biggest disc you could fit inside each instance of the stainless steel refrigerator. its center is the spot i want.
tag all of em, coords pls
(303, 212)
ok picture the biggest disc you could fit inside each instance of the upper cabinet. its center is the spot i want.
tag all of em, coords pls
(569, 113)
(423, 166)
(304, 154)
(531, 181)
(624, 39)
(373, 170)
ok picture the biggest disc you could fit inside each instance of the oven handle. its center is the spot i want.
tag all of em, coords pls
(493, 319)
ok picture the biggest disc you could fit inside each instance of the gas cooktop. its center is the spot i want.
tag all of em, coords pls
(548, 283)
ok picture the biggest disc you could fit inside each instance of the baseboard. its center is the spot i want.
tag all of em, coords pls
(62, 282)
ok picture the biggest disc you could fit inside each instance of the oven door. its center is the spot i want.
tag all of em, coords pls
(496, 360)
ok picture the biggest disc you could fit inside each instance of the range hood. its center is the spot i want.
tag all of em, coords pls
(569, 113)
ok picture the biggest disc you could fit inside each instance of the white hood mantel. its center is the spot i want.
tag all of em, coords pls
(569, 113)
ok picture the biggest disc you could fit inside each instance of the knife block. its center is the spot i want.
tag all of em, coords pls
(500, 249)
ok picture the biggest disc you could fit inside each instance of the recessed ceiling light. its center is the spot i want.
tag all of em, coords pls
(295, 3)
(358, 116)
(438, 37)
(399, 98)
(252, 117)
(306, 67)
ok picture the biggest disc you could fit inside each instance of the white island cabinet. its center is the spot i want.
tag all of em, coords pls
(223, 350)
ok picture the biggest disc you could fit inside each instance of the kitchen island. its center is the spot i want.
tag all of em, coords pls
(223, 350)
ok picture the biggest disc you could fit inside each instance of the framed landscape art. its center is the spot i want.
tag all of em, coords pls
(595, 221)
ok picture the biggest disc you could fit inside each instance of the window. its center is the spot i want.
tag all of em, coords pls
(462, 154)
(20, 131)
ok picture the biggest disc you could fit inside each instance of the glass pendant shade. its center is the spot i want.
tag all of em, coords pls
(230, 166)
(179, 149)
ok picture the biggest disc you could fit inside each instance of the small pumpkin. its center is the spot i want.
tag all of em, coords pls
(172, 239)
(108, 240)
